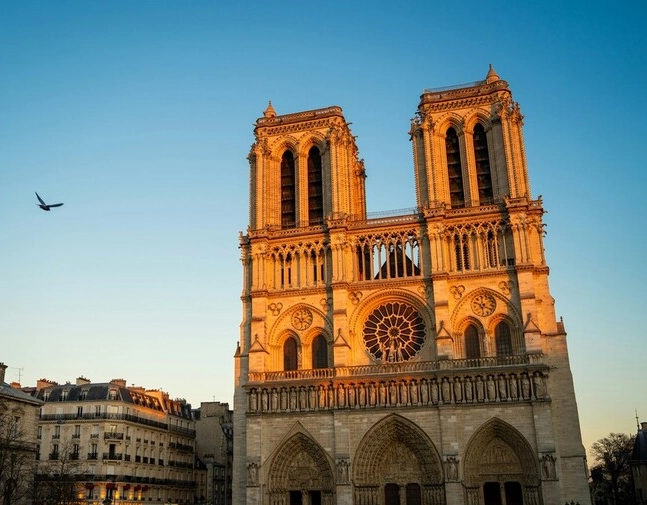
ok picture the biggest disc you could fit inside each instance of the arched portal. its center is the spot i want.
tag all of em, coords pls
(500, 467)
(397, 463)
(300, 474)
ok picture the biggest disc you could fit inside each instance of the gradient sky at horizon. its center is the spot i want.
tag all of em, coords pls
(139, 116)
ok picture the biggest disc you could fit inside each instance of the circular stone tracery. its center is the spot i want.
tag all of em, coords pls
(394, 332)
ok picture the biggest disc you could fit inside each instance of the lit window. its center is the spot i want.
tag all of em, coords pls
(290, 354)
(503, 340)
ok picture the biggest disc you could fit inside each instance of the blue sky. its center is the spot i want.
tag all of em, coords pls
(139, 116)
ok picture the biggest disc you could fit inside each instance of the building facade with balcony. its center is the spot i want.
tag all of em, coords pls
(117, 443)
(18, 442)
(407, 357)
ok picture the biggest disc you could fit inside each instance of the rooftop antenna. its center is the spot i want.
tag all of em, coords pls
(637, 422)
(20, 371)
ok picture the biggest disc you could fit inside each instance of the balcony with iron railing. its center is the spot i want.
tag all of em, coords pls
(118, 417)
(112, 456)
(112, 435)
(180, 447)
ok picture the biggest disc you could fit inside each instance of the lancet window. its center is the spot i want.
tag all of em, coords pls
(319, 352)
(288, 191)
(290, 354)
(472, 343)
(297, 266)
(388, 256)
(479, 246)
(315, 187)
(482, 163)
(454, 169)
(503, 340)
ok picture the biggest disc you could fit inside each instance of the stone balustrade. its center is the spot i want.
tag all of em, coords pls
(415, 384)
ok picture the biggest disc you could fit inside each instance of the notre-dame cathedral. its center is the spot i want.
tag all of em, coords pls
(401, 359)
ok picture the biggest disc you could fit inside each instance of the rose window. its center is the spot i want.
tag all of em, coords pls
(394, 332)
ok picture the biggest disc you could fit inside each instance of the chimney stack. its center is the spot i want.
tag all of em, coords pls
(3, 367)
(82, 381)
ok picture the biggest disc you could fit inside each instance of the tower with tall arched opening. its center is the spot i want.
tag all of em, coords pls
(401, 359)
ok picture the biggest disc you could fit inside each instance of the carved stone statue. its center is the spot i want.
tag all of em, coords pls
(458, 390)
(342, 471)
(252, 474)
(480, 389)
(548, 467)
(538, 383)
(514, 389)
(525, 387)
(253, 401)
(451, 469)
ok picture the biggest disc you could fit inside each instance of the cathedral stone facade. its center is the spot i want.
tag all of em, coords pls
(401, 358)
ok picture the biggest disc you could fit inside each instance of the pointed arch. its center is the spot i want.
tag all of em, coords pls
(389, 440)
(482, 164)
(300, 465)
(472, 342)
(503, 339)
(499, 452)
(506, 336)
(290, 354)
(315, 187)
(320, 352)
(469, 338)
(454, 169)
(288, 190)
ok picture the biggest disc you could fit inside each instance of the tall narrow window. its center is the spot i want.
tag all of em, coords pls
(454, 169)
(492, 250)
(461, 248)
(288, 191)
(315, 187)
(482, 161)
(472, 346)
(319, 352)
(503, 339)
(290, 354)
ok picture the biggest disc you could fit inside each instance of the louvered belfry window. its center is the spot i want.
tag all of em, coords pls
(482, 162)
(288, 191)
(315, 187)
(454, 169)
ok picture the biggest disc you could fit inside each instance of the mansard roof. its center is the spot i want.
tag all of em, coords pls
(110, 391)
(10, 393)
(639, 453)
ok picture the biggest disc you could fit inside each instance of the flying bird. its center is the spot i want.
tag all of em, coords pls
(44, 205)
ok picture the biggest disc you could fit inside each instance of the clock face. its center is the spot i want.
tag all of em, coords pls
(302, 319)
(394, 332)
(483, 305)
